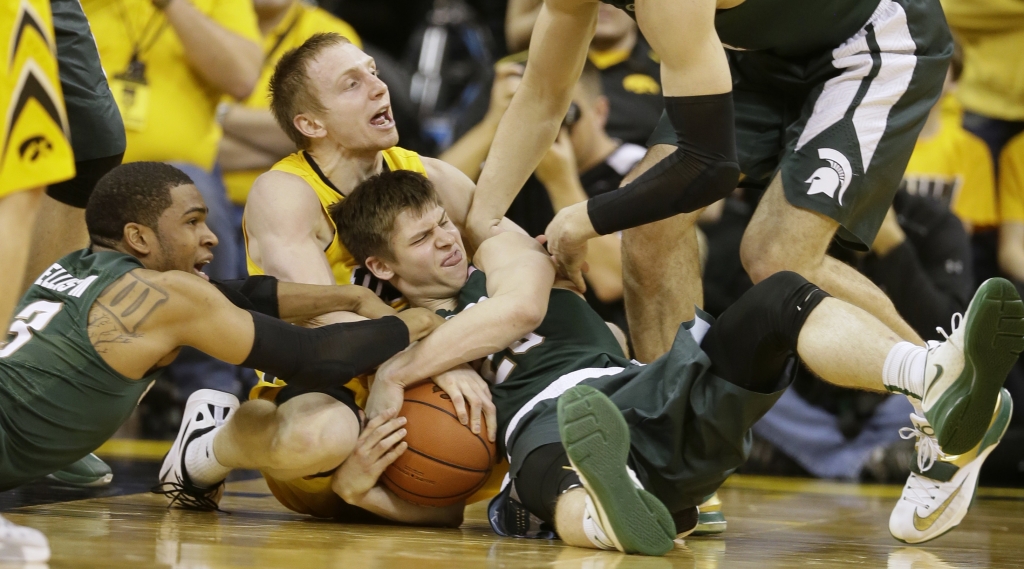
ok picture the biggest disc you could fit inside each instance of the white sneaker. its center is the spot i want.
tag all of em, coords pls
(205, 410)
(964, 374)
(940, 490)
(19, 544)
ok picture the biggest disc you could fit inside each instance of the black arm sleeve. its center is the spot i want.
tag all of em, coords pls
(702, 171)
(257, 293)
(316, 356)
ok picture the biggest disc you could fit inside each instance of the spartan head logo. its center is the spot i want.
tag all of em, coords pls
(828, 179)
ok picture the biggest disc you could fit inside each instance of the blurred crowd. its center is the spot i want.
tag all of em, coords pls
(202, 75)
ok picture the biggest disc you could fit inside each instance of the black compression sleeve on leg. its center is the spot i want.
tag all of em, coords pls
(751, 343)
(258, 293)
(332, 353)
(702, 171)
(544, 476)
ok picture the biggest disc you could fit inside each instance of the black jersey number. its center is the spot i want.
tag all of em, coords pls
(32, 319)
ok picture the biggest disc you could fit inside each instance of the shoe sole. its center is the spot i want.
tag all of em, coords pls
(596, 439)
(993, 341)
(82, 481)
(993, 436)
(710, 523)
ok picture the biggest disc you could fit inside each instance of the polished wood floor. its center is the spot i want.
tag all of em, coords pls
(773, 522)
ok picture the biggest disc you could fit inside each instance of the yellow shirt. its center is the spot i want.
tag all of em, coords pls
(991, 33)
(342, 262)
(955, 166)
(1011, 181)
(174, 119)
(35, 149)
(301, 22)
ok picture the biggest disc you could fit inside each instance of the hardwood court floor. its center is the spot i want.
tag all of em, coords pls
(773, 522)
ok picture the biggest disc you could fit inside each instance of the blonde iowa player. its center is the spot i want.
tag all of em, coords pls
(327, 98)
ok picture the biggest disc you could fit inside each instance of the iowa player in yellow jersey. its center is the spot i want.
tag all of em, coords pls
(326, 96)
(34, 150)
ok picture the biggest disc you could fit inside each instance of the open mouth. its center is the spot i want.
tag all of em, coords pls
(383, 119)
(453, 259)
(198, 269)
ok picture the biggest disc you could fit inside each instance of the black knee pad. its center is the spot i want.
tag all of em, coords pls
(76, 191)
(792, 298)
(544, 476)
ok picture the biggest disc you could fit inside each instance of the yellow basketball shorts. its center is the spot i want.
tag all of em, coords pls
(36, 150)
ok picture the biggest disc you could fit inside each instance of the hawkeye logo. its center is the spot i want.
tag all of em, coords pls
(34, 148)
(835, 177)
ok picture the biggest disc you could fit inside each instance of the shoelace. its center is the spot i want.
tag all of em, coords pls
(954, 323)
(189, 498)
(928, 450)
(918, 491)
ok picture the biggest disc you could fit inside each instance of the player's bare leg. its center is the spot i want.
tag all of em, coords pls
(17, 214)
(58, 230)
(782, 237)
(309, 434)
(661, 277)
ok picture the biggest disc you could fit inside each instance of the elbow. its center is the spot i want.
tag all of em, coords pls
(528, 317)
(607, 289)
(247, 73)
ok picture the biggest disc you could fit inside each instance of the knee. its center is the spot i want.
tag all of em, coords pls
(763, 256)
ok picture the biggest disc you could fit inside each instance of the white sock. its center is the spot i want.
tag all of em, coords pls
(903, 371)
(201, 464)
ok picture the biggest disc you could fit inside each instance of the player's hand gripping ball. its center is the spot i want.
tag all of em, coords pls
(445, 462)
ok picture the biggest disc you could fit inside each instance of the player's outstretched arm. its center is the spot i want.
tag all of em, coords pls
(558, 51)
(380, 444)
(519, 280)
(196, 314)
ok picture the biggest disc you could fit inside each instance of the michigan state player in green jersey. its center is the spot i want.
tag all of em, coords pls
(96, 328)
(821, 101)
(614, 454)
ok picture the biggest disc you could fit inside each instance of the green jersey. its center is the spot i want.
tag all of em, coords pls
(58, 399)
(571, 337)
(786, 27)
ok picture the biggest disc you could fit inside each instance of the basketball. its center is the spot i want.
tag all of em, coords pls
(445, 461)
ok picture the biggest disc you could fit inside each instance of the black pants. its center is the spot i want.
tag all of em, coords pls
(752, 345)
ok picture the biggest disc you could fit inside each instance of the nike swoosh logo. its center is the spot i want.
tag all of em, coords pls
(924, 524)
(937, 374)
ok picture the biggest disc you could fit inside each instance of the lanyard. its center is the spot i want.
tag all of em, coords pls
(282, 36)
(144, 41)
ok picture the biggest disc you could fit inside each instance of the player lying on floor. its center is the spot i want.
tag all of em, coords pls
(95, 330)
(616, 455)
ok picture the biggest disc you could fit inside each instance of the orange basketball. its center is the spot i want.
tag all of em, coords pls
(445, 461)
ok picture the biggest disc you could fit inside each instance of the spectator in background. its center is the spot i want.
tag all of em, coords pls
(951, 165)
(992, 93)
(169, 64)
(253, 141)
(630, 70)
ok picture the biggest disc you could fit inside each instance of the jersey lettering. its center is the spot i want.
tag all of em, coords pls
(56, 278)
(32, 319)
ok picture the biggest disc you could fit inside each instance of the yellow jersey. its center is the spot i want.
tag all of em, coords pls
(301, 22)
(171, 115)
(955, 167)
(1011, 181)
(36, 148)
(342, 262)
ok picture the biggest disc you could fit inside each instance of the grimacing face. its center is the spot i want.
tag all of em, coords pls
(183, 239)
(429, 256)
(357, 105)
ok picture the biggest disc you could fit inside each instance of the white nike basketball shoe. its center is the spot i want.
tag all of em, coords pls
(205, 410)
(941, 487)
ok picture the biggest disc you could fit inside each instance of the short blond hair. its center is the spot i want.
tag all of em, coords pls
(290, 91)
